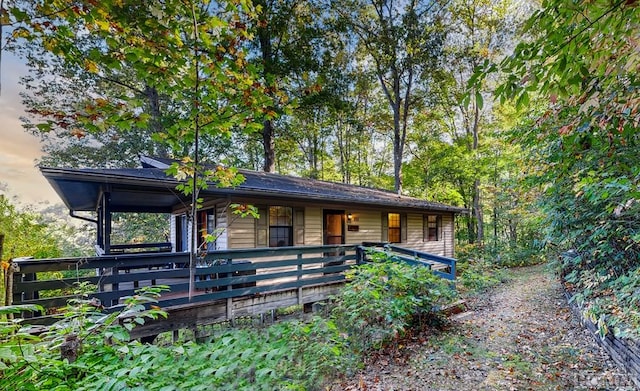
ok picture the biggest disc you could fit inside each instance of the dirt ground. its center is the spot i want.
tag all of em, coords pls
(520, 336)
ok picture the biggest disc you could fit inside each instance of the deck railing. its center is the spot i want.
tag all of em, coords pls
(136, 248)
(219, 275)
(441, 266)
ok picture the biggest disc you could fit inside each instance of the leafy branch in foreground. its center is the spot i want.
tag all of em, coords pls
(67, 351)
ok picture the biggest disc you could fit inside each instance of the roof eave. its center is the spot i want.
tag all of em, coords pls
(53, 175)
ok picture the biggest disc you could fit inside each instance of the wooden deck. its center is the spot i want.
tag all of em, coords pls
(228, 284)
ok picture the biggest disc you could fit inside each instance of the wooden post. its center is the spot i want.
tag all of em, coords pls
(5, 280)
(13, 268)
(359, 255)
(5, 274)
(100, 228)
(230, 311)
(106, 210)
(299, 277)
(230, 316)
(8, 299)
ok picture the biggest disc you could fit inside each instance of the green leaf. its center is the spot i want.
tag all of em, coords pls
(479, 100)
(44, 127)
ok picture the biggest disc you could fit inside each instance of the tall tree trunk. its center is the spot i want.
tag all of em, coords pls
(477, 212)
(495, 224)
(398, 139)
(397, 153)
(477, 206)
(268, 141)
(471, 229)
(153, 99)
(513, 232)
(268, 132)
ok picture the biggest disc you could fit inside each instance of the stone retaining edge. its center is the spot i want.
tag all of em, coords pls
(625, 352)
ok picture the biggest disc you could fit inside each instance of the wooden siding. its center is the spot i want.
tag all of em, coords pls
(415, 235)
(313, 235)
(222, 218)
(172, 232)
(242, 232)
(448, 235)
(298, 226)
(369, 227)
(415, 231)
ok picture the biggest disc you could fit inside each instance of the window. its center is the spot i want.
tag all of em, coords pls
(432, 224)
(181, 233)
(395, 234)
(206, 226)
(280, 226)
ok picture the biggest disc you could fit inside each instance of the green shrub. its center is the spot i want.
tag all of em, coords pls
(479, 275)
(609, 297)
(384, 299)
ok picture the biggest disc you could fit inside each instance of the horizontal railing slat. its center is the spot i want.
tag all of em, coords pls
(236, 267)
(107, 261)
(104, 279)
(253, 290)
(244, 279)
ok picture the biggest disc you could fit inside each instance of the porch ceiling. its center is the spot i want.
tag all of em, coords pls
(80, 190)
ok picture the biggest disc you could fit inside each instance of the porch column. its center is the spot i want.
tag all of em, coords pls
(100, 227)
(106, 212)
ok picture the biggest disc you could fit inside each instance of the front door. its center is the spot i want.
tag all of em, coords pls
(333, 228)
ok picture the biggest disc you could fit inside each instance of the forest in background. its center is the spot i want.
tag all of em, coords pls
(528, 117)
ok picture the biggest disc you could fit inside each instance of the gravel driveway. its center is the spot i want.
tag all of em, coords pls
(521, 336)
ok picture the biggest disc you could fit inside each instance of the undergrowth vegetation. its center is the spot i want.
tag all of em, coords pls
(90, 350)
(385, 299)
(608, 296)
(481, 268)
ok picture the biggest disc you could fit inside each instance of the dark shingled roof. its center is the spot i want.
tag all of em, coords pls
(151, 189)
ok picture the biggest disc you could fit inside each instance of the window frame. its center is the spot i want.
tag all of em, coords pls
(393, 228)
(278, 226)
(427, 221)
(206, 226)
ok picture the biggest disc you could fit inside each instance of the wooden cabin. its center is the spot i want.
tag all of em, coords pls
(293, 211)
(308, 234)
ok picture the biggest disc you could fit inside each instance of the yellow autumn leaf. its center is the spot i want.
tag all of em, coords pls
(91, 66)
(101, 102)
(103, 25)
(49, 43)
(20, 32)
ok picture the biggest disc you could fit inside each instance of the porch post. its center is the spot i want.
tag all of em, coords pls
(106, 211)
(100, 227)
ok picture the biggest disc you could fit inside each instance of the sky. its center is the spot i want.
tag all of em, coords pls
(19, 150)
